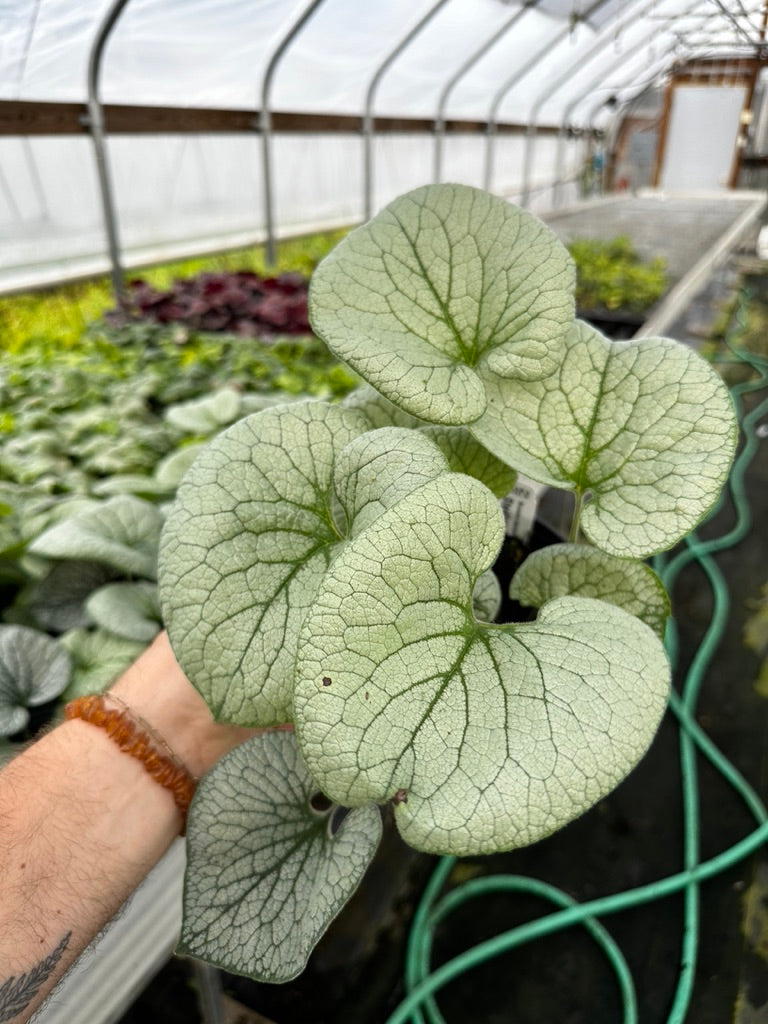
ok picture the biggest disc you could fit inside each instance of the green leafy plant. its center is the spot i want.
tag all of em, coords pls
(56, 319)
(610, 275)
(100, 427)
(331, 565)
(91, 568)
(74, 417)
(34, 669)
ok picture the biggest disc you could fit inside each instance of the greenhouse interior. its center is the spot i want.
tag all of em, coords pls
(383, 477)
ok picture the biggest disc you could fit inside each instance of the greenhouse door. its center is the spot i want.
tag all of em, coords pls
(699, 145)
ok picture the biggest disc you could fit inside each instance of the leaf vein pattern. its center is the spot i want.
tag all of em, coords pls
(440, 302)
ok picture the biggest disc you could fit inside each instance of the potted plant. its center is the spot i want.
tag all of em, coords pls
(615, 287)
(330, 565)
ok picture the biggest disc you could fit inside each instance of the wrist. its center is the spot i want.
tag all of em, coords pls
(156, 690)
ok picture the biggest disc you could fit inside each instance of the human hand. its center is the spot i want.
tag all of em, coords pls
(156, 689)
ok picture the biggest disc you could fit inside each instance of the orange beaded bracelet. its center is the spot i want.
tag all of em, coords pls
(137, 738)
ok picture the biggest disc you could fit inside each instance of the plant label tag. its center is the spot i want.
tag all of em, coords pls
(519, 508)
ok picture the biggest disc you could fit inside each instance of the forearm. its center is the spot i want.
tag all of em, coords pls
(81, 824)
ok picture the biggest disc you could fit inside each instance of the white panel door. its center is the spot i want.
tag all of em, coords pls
(701, 136)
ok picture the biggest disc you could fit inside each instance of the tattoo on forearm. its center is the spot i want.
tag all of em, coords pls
(18, 992)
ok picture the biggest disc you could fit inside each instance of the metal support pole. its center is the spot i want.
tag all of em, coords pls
(518, 76)
(29, 156)
(658, 65)
(552, 87)
(369, 100)
(265, 122)
(35, 179)
(655, 70)
(560, 155)
(734, 22)
(456, 78)
(750, 97)
(10, 199)
(95, 121)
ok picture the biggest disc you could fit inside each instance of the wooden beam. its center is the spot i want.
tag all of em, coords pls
(749, 99)
(661, 142)
(718, 70)
(27, 118)
(716, 78)
(633, 123)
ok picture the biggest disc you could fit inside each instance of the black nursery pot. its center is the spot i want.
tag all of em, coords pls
(619, 324)
(512, 555)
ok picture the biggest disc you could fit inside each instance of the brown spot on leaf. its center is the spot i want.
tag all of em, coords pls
(326, 680)
(400, 797)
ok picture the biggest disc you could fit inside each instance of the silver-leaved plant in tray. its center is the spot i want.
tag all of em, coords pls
(331, 566)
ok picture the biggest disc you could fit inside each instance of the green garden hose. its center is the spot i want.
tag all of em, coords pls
(422, 983)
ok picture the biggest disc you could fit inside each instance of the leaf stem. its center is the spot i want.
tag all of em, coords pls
(573, 536)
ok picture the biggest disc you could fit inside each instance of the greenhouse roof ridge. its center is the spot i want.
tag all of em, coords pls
(168, 54)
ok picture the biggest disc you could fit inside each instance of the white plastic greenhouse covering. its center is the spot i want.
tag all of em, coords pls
(530, 81)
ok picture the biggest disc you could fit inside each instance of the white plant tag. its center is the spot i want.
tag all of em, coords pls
(519, 507)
